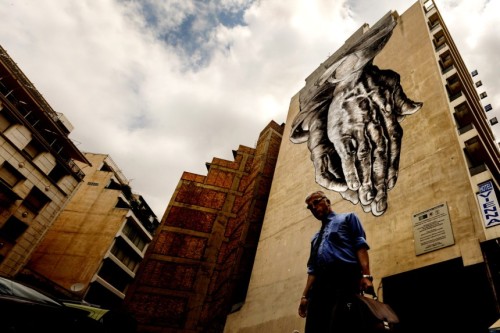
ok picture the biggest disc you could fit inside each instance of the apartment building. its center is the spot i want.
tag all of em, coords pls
(197, 268)
(38, 173)
(431, 214)
(487, 106)
(96, 244)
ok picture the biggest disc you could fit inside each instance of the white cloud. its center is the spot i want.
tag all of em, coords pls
(130, 95)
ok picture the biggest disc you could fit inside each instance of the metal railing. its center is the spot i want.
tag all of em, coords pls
(477, 169)
(12, 66)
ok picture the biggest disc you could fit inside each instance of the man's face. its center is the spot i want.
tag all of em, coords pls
(318, 206)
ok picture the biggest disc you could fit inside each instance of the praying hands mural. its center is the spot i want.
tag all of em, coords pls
(349, 116)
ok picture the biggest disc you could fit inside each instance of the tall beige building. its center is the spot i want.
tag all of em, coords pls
(95, 246)
(390, 127)
(38, 173)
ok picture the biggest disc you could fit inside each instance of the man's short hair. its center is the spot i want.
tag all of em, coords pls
(316, 192)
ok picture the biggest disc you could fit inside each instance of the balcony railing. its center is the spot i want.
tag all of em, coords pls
(27, 84)
(477, 169)
(447, 69)
(455, 96)
(440, 47)
(434, 26)
(75, 169)
(465, 128)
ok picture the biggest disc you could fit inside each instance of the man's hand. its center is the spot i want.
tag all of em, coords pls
(366, 286)
(303, 307)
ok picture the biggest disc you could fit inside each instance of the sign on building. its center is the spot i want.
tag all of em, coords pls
(432, 229)
(488, 203)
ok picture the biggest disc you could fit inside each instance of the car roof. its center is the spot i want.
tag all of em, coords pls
(13, 288)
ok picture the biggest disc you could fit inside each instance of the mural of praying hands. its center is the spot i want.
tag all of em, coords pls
(363, 126)
(350, 117)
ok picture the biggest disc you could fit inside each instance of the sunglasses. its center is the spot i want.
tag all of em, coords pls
(314, 203)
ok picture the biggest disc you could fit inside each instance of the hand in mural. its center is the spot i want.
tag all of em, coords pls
(349, 116)
(363, 126)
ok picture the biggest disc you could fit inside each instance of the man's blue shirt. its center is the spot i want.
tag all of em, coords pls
(342, 236)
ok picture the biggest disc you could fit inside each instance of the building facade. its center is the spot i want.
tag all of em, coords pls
(95, 246)
(38, 173)
(392, 128)
(483, 94)
(197, 269)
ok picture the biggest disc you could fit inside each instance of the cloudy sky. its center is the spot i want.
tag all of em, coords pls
(163, 86)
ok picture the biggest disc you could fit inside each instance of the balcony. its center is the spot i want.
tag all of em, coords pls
(476, 155)
(28, 107)
(454, 87)
(429, 6)
(439, 40)
(446, 62)
(465, 129)
(7, 195)
(433, 22)
(478, 169)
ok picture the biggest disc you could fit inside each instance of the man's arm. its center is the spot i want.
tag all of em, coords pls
(365, 283)
(305, 295)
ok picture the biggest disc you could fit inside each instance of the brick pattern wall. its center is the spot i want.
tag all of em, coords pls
(200, 260)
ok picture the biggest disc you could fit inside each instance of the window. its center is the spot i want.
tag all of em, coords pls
(474, 153)
(106, 167)
(125, 254)
(433, 21)
(474, 72)
(33, 148)
(134, 235)
(35, 200)
(483, 95)
(463, 116)
(121, 203)
(12, 229)
(7, 196)
(439, 40)
(114, 275)
(446, 62)
(454, 87)
(428, 5)
(9, 175)
(479, 83)
(462, 108)
(57, 173)
(6, 121)
(488, 107)
(114, 185)
(493, 121)
(30, 117)
(454, 82)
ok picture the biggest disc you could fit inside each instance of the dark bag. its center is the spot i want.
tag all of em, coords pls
(374, 315)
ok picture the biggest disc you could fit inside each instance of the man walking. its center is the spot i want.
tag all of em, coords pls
(338, 267)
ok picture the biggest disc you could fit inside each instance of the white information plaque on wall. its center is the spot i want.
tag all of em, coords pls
(432, 229)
